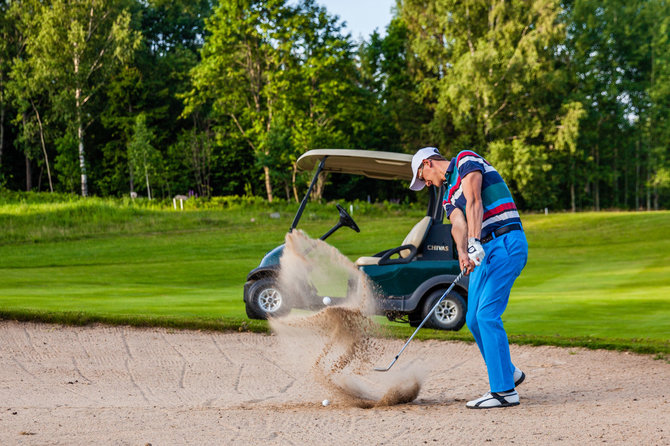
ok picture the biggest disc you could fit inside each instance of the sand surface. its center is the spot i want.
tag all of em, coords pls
(121, 385)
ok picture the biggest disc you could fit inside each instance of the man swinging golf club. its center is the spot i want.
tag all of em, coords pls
(492, 246)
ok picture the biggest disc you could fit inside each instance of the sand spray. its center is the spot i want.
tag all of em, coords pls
(338, 344)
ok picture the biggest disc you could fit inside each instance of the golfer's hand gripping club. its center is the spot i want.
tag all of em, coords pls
(475, 251)
(430, 313)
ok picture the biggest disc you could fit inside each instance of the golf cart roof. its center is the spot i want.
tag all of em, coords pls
(370, 163)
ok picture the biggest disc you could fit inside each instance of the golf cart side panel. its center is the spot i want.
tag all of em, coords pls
(442, 281)
(414, 301)
(403, 280)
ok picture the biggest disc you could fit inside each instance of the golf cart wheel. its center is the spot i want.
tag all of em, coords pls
(449, 315)
(265, 300)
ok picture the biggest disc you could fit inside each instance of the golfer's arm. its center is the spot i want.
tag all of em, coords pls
(459, 231)
(474, 209)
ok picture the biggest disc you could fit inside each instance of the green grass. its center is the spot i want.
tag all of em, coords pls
(598, 274)
(599, 280)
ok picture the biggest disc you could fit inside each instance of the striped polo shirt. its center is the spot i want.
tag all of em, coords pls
(499, 207)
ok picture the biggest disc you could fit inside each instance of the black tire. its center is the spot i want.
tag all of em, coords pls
(265, 300)
(449, 315)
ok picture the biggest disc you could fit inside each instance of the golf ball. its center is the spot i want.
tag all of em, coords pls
(325, 402)
(327, 301)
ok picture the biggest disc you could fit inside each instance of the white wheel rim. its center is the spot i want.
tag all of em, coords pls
(269, 300)
(446, 312)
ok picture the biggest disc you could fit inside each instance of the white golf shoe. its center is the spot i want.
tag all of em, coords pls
(495, 399)
(519, 376)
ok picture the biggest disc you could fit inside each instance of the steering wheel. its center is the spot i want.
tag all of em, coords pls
(346, 220)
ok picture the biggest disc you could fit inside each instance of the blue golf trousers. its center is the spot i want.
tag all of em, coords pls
(488, 294)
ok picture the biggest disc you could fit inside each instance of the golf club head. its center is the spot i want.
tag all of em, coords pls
(386, 369)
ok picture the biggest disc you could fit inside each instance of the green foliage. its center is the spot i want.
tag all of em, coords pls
(525, 169)
(291, 98)
(194, 150)
(71, 51)
(493, 78)
(145, 160)
(659, 95)
(611, 47)
(567, 135)
(66, 163)
(570, 100)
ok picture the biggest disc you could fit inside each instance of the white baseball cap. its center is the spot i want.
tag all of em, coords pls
(417, 159)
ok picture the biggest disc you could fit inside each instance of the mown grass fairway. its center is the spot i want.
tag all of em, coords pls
(596, 274)
(593, 279)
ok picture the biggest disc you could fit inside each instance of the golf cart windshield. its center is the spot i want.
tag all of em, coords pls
(370, 163)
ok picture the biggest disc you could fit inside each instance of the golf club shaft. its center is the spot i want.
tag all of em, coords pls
(425, 319)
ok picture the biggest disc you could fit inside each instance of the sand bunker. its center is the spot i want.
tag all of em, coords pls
(337, 345)
(122, 385)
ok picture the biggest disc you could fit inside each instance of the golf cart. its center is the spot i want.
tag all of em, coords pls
(410, 277)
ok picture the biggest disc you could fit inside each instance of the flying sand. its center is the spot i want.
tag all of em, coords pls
(338, 344)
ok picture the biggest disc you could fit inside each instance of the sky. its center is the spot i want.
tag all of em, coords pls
(362, 16)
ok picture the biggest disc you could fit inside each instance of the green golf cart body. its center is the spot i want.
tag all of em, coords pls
(410, 277)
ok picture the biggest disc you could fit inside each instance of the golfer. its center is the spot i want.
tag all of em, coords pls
(492, 246)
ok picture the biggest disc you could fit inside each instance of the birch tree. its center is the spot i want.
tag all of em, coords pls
(144, 158)
(29, 98)
(78, 44)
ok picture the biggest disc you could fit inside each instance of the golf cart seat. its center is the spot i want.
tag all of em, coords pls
(406, 250)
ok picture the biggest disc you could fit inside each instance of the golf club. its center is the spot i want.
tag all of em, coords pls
(430, 313)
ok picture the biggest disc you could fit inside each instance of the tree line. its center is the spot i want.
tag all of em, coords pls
(568, 99)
